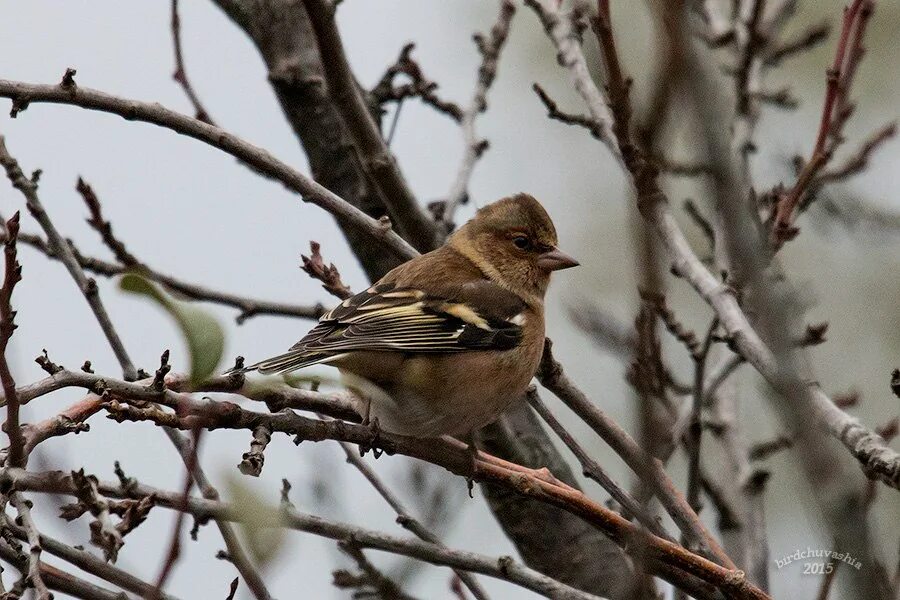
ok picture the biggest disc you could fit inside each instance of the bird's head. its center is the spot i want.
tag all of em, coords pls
(514, 242)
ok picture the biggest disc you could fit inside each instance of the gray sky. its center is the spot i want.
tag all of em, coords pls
(191, 211)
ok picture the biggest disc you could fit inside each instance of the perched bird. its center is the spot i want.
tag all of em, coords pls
(444, 343)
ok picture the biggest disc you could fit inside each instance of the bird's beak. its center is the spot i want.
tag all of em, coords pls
(556, 259)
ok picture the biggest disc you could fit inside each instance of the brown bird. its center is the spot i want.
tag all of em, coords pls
(444, 343)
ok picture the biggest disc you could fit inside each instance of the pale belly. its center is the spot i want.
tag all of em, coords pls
(445, 395)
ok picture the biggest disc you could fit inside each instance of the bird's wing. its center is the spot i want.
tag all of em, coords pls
(475, 316)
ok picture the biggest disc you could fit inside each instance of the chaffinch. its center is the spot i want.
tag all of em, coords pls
(444, 343)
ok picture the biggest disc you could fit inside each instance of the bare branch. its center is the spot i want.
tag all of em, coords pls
(806, 40)
(104, 227)
(256, 157)
(554, 112)
(314, 265)
(835, 112)
(35, 576)
(12, 274)
(180, 74)
(504, 568)
(375, 157)
(419, 86)
(569, 55)
(552, 377)
(593, 470)
(489, 48)
(87, 286)
(371, 581)
(404, 518)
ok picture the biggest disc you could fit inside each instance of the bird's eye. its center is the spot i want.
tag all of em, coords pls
(521, 242)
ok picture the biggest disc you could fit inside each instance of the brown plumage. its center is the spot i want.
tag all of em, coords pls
(445, 342)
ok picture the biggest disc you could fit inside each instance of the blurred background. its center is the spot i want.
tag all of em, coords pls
(193, 212)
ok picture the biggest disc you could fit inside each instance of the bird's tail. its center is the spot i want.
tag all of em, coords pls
(289, 361)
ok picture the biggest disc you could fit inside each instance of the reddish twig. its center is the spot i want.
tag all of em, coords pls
(12, 275)
(314, 265)
(551, 375)
(835, 111)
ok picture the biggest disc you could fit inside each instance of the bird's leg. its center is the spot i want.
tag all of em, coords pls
(368, 412)
(372, 423)
(472, 450)
(376, 437)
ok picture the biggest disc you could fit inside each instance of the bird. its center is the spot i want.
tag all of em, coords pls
(446, 342)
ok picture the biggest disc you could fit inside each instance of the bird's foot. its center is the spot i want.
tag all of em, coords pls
(372, 444)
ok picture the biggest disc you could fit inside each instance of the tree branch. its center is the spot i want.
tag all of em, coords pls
(87, 286)
(375, 157)
(404, 518)
(474, 147)
(259, 159)
(12, 274)
(504, 568)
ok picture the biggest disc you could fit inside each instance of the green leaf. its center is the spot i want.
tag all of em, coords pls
(263, 541)
(203, 334)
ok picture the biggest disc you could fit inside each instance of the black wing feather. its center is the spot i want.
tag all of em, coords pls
(478, 316)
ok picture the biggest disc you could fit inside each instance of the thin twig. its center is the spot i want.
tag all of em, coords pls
(181, 506)
(263, 162)
(554, 112)
(248, 307)
(834, 113)
(12, 274)
(371, 581)
(489, 47)
(695, 425)
(419, 86)
(404, 518)
(375, 158)
(35, 578)
(594, 470)
(504, 568)
(180, 74)
(87, 286)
